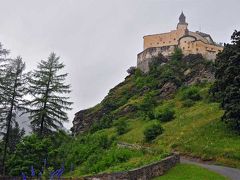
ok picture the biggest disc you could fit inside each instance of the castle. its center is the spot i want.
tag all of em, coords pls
(189, 42)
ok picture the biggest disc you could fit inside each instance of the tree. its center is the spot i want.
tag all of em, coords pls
(16, 134)
(48, 106)
(177, 55)
(12, 92)
(31, 151)
(227, 85)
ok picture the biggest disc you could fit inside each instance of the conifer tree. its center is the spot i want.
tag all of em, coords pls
(227, 85)
(48, 105)
(12, 92)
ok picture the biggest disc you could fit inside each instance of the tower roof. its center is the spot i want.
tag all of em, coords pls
(182, 19)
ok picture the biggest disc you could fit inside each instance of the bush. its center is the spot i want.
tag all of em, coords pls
(103, 123)
(188, 103)
(191, 93)
(152, 132)
(164, 114)
(131, 70)
(103, 160)
(121, 127)
(177, 55)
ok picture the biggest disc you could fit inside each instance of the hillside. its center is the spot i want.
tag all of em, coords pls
(181, 87)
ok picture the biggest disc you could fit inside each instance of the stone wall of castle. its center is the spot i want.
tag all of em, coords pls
(145, 58)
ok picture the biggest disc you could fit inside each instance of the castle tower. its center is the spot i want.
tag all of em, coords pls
(182, 22)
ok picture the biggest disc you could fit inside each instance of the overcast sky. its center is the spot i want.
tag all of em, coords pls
(98, 40)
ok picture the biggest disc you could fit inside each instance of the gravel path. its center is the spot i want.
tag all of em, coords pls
(231, 173)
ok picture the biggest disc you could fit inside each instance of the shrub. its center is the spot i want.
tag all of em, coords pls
(103, 123)
(188, 103)
(152, 132)
(121, 127)
(191, 93)
(102, 160)
(177, 55)
(164, 114)
(131, 70)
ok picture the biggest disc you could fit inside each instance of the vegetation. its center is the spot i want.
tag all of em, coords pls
(121, 127)
(152, 132)
(12, 98)
(227, 84)
(46, 88)
(190, 172)
(48, 105)
(164, 114)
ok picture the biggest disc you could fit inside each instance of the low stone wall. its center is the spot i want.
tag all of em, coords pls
(143, 173)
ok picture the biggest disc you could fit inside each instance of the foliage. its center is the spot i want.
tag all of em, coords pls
(191, 93)
(177, 55)
(188, 103)
(48, 107)
(131, 70)
(97, 163)
(164, 114)
(105, 122)
(12, 92)
(15, 136)
(227, 84)
(121, 126)
(40, 153)
(31, 151)
(152, 132)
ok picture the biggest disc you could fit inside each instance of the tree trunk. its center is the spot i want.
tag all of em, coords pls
(45, 104)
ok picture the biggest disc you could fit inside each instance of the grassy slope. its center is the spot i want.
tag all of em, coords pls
(190, 172)
(196, 131)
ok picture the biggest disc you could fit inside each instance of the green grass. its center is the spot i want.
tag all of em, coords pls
(196, 131)
(190, 172)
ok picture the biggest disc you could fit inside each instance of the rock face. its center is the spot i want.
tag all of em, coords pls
(145, 58)
(199, 70)
(84, 119)
(168, 90)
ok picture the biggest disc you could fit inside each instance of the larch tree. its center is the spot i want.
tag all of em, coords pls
(13, 90)
(48, 104)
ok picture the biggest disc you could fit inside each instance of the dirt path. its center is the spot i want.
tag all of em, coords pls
(231, 173)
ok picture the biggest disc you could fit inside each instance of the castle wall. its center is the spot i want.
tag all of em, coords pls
(191, 46)
(145, 58)
(165, 39)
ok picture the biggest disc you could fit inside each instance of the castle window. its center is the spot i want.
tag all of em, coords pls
(183, 48)
(197, 49)
(188, 47)
(174, 39)
(163, 42)
(185, 41)
(169, 41)
(157, 42)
